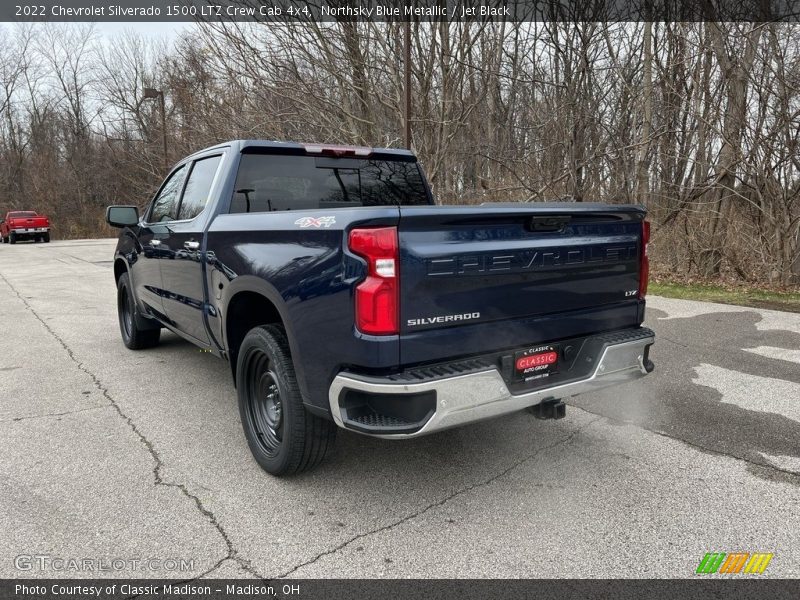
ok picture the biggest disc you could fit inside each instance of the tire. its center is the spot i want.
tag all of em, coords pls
(12, 238)
(133, 335)
(46, 237)
(283, 436)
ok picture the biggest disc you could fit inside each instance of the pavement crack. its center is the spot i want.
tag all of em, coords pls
(58, 414)
(460, 492)
(661, 336)
(158, 463)
(701, 447)
(754, 463)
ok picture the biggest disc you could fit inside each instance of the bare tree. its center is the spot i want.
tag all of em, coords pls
(699, 121)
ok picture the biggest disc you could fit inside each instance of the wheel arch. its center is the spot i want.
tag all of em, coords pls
(120, 268)
(249, 304)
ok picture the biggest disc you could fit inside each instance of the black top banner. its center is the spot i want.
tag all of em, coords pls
(400, 10)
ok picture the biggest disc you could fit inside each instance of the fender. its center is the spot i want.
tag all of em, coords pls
(251, 283)
(141, 322)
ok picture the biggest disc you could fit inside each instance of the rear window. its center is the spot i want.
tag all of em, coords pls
(269, 182)
(21, 213)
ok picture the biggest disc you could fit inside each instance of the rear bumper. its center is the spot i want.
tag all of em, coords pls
(29, 230)
(463, 399)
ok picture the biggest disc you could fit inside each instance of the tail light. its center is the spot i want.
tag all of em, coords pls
(644, 261)
(377, 297)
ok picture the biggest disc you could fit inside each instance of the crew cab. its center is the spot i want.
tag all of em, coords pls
(24, 225)
(343, 297)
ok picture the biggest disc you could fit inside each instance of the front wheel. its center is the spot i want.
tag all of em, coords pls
(134, 336)
(283, 436)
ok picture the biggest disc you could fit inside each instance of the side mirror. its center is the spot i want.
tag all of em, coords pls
(122, 216)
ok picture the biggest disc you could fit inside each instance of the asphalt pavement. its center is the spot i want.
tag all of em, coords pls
(138, 457)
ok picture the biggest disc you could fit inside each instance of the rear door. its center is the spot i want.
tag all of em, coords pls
(182, 274)
(492, 277)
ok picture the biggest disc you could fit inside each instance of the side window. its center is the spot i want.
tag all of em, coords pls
(198, 186)
(165, 206)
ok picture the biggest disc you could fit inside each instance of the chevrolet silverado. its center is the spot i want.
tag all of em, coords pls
(343, 297)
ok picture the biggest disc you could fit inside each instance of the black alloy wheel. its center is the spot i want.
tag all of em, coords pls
(283, 436)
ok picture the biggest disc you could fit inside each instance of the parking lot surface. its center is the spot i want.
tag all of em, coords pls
(106, 453)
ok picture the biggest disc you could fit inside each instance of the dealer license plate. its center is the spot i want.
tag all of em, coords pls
(536, 362)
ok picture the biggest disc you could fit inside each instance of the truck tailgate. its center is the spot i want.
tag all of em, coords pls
(27, 222)
(499, 276)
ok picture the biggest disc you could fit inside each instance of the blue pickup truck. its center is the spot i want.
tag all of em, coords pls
(342, 296)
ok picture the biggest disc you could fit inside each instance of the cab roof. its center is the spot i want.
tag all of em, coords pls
(312, 149)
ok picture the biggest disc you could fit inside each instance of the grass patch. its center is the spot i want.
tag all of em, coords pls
(742, 296)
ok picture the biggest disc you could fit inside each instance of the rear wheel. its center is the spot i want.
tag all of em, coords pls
(12, 238)
(283, 436)
(46, 237)
(134, 336)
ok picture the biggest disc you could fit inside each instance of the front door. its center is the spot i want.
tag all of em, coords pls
(182, 275)
(146, 269)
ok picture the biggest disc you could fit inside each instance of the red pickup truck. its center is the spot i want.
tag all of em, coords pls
(24, 224)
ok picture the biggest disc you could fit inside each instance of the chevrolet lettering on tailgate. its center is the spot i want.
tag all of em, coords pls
(527, 261)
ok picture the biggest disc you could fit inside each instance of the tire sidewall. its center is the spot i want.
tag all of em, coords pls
(124, 290)
(264, 339)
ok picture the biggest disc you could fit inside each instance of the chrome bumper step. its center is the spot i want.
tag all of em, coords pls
(483, 394)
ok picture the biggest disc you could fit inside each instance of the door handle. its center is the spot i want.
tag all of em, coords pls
(191, 245)
(155, 243)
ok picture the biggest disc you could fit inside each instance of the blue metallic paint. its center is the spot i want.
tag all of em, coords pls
(309, 276)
